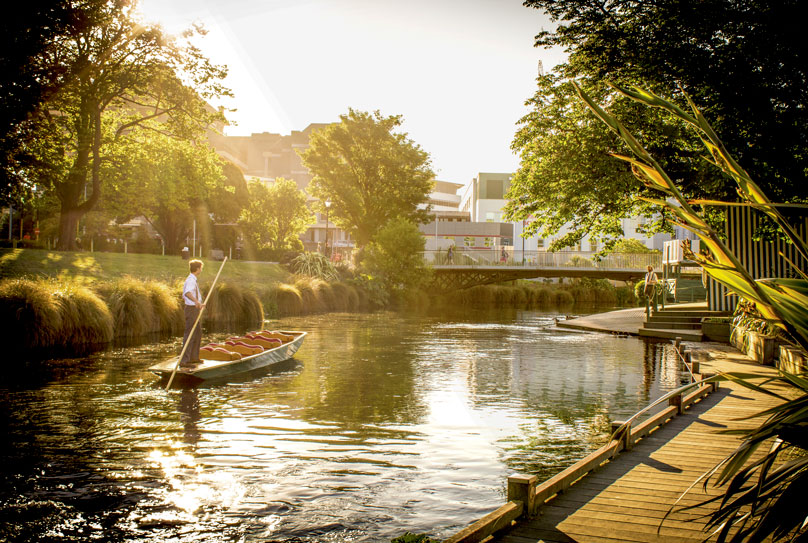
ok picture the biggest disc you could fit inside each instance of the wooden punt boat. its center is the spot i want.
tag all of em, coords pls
(222, 369)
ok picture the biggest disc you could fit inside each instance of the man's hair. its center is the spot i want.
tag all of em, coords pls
(194, 265)
(650, 268)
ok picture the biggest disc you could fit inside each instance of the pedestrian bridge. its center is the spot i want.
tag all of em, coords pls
(472, 267)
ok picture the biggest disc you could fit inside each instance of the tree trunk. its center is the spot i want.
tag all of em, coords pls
(70, 191)
(68, 225)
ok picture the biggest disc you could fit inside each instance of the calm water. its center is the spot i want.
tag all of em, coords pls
(382, 424)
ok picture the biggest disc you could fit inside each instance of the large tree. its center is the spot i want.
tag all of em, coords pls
(744, 63)
(567, 179)
(29, 75)
(275, 215)
(129, 74)
(170, 182)
(370, 173)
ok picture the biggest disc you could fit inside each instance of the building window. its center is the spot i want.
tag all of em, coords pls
(540, 243)
(490, 216)
(489, 242)
(469, 241)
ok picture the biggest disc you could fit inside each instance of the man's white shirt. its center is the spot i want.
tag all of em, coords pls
(191, 286)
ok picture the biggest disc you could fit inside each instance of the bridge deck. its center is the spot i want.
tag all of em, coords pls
(626, 499)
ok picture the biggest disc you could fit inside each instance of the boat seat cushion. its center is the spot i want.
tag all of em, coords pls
(270, 334)
(264, 342)
(212, 352)
(243, 348)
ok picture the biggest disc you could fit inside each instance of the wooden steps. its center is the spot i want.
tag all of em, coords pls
(677, 321)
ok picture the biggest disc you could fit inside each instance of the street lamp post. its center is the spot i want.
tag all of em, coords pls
(327, 251)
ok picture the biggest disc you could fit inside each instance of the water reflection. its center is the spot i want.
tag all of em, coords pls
(383, 423)
(188, 408)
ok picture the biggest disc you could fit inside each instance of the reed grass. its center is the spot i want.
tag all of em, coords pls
(130, 303)
(289, 300)
(30, 317)
(344, 297)
(86, 319)
(231, 304)
(166, 306)
(40, 314)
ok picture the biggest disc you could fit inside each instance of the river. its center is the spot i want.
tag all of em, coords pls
(383, 423)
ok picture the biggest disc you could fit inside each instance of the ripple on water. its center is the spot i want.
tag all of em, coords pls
(388, 423)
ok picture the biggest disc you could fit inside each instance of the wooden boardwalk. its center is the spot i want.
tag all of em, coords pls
(626, 499)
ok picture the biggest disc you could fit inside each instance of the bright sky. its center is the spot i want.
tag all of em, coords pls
(458, 71)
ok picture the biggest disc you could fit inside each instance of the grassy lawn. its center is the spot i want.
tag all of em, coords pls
(86, 268)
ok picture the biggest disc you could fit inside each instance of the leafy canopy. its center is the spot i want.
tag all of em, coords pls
(275, 215)
(165, 180)
(370, 173)
(123, 76)
(395, 256)
(744, 61)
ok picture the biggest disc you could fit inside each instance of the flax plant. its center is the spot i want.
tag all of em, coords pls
(784, 302)
(315, 265)
(762, 499)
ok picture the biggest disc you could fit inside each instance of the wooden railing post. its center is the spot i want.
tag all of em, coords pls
(624, 437)
(714, 384)
(522, 488)
(677, 401)
(677, 344)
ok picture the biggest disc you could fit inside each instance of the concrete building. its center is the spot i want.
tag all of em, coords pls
(484, 200)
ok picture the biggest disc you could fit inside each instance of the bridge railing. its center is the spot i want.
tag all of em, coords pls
(542, 259)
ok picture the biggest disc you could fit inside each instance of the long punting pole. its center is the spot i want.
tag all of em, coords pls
(198, 319)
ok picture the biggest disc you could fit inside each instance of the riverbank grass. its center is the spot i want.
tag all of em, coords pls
(88, 268)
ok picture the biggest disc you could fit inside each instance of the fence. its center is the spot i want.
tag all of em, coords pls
(542, 259)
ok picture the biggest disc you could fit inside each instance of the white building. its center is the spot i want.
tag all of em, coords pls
(483, 198)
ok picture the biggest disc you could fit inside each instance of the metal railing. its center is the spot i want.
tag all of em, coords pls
(464, 256)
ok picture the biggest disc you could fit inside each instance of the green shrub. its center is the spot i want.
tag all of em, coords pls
(563, 297)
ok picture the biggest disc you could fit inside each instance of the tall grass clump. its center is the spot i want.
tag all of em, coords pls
(268, 296)
(86, 319)
(311, 304)
(167, 307)
(230, 304)
(289, 300)
(324, 293)
(563, 297)
(30, 316)
(344, 297)
(130, 304)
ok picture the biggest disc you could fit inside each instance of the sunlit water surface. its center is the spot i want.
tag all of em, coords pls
(383, 423)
